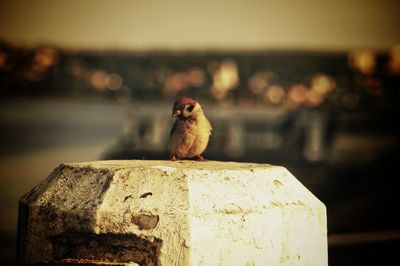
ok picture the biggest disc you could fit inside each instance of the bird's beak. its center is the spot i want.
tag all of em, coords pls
(176, 113)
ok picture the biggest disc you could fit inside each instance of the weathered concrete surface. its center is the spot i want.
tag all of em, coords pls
(173, 213)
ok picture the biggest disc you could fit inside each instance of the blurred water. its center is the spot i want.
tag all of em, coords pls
(35, 137)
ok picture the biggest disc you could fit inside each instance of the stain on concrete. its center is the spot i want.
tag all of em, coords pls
(145, 195)
(145, 222)
(107, 248)
(278, 183)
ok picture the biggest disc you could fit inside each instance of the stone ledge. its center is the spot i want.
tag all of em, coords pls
(171, 213)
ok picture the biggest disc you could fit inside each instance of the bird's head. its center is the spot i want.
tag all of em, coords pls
(185, 108)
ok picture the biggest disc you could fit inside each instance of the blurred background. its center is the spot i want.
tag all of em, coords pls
(310, 85)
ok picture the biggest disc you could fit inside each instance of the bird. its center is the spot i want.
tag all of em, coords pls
(190, 132)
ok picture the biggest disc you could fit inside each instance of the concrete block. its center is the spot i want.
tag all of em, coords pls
(172, 213)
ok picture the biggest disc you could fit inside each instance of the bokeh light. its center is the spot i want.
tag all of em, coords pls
(174, 84)
(179, 81)
(274, 94)
(260, 81)
(322, 84)
(3, 59)
(257, 84)
(114, 81)
(124, 95)
(43, 59)
(77, 70)
(195, 77)
(394, 60)
(225, 79)
(314, 98)
(297, 95)
(363, 61)
(98, 79)
(46, 57)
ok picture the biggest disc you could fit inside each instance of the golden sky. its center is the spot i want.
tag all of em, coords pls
(206, 24)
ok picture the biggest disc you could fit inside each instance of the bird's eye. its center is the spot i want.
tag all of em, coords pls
(189, 108)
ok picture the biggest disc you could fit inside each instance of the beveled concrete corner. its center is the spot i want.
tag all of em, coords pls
(172, 213)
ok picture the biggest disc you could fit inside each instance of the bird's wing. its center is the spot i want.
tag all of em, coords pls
(209, 126)
(173, 128)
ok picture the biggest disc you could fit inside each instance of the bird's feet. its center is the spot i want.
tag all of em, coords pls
(200, 158)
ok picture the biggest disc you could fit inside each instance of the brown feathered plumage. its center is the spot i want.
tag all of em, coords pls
(190, 132)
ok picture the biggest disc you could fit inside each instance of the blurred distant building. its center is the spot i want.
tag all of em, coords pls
(275, 79)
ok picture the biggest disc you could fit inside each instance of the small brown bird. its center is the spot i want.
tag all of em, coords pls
(190, 132)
